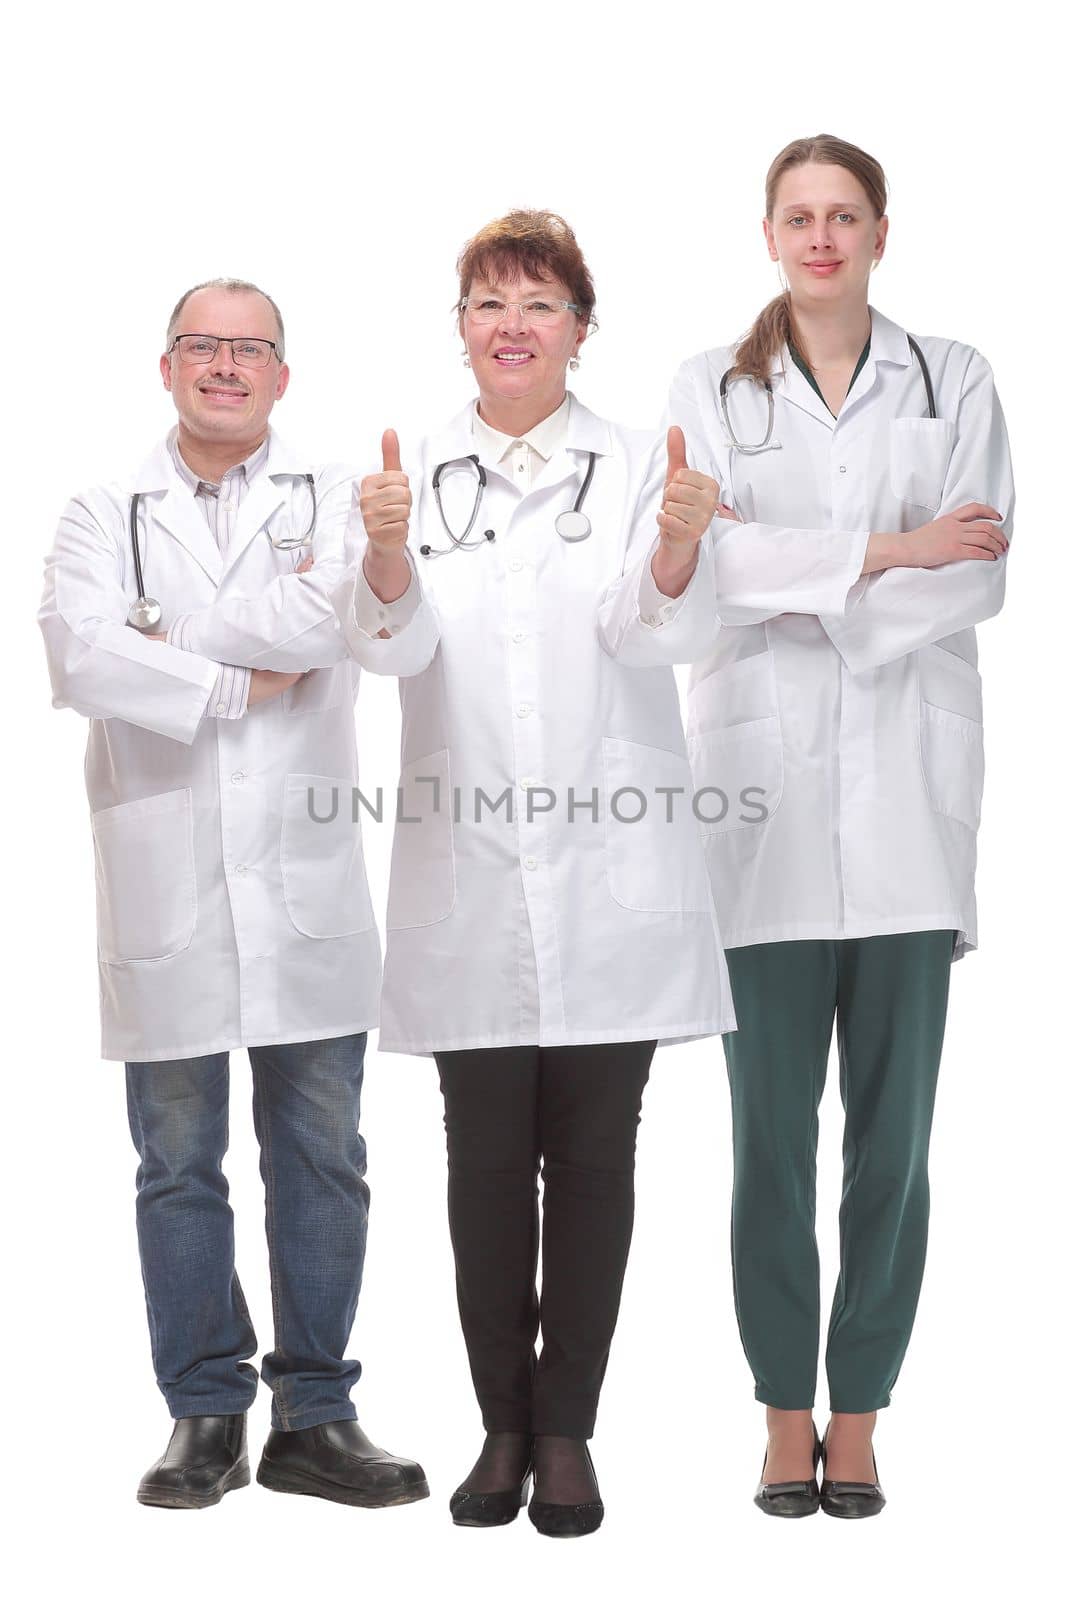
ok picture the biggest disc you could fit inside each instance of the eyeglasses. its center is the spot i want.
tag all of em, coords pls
(487, 309)
(200, 348)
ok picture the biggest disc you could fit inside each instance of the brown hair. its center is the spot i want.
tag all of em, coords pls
(232, 286)
(774, 326)
(537, 244)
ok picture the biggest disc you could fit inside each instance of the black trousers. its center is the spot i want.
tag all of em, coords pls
(572, 1112)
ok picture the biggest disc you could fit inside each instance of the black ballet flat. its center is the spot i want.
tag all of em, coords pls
(792, 1498)
(568, 1522)
(851, 1500)
(494, 1509)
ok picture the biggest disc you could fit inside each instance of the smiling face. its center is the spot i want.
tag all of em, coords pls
(222, 403)
(825, 233)
(516, 360)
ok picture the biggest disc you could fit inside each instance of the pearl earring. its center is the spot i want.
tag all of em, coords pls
(574, 363)
(466, 359)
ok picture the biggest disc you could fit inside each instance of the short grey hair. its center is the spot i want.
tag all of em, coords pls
(231, 286)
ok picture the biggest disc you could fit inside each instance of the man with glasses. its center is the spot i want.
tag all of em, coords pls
(187, 614)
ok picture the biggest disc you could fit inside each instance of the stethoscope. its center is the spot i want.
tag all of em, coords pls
(145, 614)
(572, 526)
(767, 443)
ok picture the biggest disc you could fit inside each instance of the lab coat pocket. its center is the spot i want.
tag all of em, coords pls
(739, 774)
(735, 745)
(950, 734)
(323, 877)
(919, 451)
(742, 691)
(655, 862)
(145, 877)
(422, 875)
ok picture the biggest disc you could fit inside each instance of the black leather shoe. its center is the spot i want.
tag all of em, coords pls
(205, 1457)
(852, 1500)
(492, 1509)
(336, 1461)
(567, 1522)
(792, 1498)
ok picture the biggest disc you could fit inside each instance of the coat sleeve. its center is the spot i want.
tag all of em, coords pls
(411, 622)
(908, 607)
(762, 570)
(290, 626)
(99, 666)
(636, 624)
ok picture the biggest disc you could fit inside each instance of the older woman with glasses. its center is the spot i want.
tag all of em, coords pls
(549, 916)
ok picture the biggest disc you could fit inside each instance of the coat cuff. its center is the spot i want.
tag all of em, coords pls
(372, 615)
(654, 608)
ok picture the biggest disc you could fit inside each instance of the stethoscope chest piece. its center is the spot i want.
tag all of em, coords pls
(145, 614)
(573, 526)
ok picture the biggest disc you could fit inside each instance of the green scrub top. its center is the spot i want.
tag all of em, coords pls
(806, 370)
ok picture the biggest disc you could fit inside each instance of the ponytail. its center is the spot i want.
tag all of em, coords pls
(772, 329)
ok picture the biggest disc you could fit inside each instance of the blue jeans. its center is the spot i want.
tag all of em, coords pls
(313, 1161)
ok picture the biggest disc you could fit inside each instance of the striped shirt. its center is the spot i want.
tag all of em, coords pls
(220, 503)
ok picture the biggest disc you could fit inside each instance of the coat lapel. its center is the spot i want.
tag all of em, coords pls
(171, 506)
(792, 388)
(270, 502)
(889, 347)
(587, 434)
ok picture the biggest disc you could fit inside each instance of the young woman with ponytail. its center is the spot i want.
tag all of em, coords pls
(836, 738)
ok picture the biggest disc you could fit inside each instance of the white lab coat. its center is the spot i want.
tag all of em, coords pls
(227, 916)
(838, 718)
(541, 673)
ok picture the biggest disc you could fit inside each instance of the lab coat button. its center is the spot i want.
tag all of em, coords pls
(530, 863)
(516, 566)
(518, 636)
(240, 869)
(237, 777)
(527, 783)
(842, 469)
(524, 709)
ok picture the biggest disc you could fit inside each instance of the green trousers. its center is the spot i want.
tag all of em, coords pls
(890, 996)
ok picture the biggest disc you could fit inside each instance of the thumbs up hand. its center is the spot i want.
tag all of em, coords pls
(385, 499)
(690, 500)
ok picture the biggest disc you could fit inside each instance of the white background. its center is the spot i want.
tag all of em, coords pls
(341, 160)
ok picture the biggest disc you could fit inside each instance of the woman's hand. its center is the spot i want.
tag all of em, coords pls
(385, 505)
(385, 500)
(964, 535)
(690, 500)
